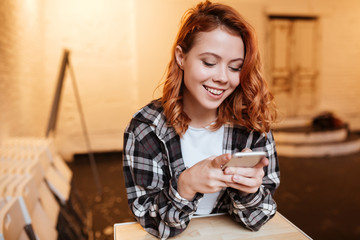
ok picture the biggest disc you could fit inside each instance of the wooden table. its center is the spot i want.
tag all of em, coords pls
(220, 227)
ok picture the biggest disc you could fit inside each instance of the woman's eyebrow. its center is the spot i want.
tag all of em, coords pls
(237, 59)
(209, 53)
(218, 57)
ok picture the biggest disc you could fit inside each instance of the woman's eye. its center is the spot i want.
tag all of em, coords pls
(209, 64)
(235, 69)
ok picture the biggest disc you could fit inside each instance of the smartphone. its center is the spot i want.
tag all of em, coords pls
(245, 159)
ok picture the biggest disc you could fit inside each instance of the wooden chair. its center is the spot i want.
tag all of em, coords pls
(15, 222)
(42, 223)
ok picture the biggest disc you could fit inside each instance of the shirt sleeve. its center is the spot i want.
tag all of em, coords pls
(152, 188)
(254, 210)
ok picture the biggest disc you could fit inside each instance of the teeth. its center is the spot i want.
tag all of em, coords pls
(214, 91)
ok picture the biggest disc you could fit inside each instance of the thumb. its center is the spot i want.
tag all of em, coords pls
(221, 160)
(246, 150)
(264, 162)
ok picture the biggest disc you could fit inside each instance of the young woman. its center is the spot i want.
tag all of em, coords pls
(215, 102)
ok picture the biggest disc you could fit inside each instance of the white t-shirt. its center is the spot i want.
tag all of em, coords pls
(198, 144)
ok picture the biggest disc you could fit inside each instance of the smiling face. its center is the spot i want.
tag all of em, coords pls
(211, 70)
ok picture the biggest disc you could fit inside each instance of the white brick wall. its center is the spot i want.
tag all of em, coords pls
(119, 51)
(21, 70)
(101, 37)
(340, 85)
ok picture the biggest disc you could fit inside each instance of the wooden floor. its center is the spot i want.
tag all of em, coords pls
(320, 195)
(112, 208)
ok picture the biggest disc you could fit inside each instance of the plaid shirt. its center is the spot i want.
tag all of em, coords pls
(153, 163)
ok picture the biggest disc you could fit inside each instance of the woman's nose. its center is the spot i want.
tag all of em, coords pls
(221, 75)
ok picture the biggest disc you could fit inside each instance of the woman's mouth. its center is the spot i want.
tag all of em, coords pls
(214, 91)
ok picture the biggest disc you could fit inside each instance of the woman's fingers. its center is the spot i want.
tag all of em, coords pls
(248, 172)
(243, 188)
(211, 178)
(245, 171)
(219, 161)
(247, 180)
(246, 150)
(250, 182)
(245, 184)
(207, 176)
(264, 162)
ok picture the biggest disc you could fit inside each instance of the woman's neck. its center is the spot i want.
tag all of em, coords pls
(200, 117)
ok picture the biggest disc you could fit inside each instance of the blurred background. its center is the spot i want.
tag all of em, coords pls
(119, 50)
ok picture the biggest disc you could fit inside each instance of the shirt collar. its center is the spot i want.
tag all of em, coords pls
(152, 114)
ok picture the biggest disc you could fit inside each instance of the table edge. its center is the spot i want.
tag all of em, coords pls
(219, 214)
(292, 224)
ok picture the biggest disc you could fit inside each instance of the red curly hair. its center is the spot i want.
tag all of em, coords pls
(251, 104)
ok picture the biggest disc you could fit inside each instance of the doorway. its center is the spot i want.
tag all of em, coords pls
(294, 63)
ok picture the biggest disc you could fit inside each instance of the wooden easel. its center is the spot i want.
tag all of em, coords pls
(65, 63)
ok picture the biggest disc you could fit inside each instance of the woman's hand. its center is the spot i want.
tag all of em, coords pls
(247, 180)
(204, 177)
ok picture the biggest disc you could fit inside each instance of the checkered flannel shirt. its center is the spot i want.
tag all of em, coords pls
(152, 163)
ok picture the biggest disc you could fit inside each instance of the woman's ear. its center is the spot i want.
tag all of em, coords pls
(179, 55)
